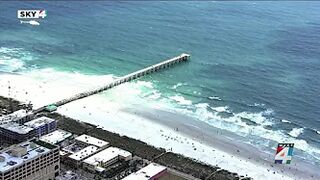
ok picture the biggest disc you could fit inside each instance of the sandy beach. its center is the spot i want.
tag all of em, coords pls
(221, 140)
(159, 128)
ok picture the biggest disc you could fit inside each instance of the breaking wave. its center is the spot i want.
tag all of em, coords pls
(295, 132)
(57, 84)
(13, 59)
(285, 121)
(215, 98)
(181, 100)
(220, 109)
(178, 85)
(238, 123)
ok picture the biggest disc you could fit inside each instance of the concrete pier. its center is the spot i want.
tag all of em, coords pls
(148, 70)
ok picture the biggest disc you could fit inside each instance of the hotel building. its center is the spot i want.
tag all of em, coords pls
(34, 159)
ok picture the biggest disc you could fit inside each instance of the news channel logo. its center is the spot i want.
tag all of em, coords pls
(31, 17)
(284, 153)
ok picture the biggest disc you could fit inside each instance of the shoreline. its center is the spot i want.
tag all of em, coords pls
(147, 127)
(231, 144)
(175, 161)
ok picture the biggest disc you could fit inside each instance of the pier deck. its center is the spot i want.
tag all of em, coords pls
(137, 74)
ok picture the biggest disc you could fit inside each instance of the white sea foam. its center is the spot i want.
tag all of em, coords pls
(181, 100)
(256, 117)
(157, 135)
(268, 112)
(178, 85)
(285, 121)
(318, 132)
(145, 84)
(10, 64)
(236, 125)
(295, 132)
(155, 95)
(48, 85)
(215, 98)
(45, 86)
(221, 109)
(12, 59)
(259, 104)
(196, 92)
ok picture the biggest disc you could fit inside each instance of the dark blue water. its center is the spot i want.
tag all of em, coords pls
(258, 62)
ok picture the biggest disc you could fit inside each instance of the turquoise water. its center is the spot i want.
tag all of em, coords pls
(258, 62)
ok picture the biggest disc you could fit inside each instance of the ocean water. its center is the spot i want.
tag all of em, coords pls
(254, 70)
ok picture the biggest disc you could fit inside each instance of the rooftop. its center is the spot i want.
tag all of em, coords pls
(56, 136)
(39, 122)
(16, 155)
(83, 153)
(106, 155)
(14, 116)
(147, 172)
(15, 127)
(91, 140)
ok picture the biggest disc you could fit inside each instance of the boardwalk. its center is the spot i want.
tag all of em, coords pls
(126, 78)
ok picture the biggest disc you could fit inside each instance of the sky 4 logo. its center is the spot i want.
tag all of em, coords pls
(31, 14)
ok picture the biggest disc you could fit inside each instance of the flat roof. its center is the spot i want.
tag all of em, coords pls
(39, 122)
(15, 127)
(83, 153)
(91, 140)
(14, 116)
(147, 172)
(56, 136)
(106, 155)
(7, 161)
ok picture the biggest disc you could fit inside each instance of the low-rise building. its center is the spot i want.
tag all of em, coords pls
(21, 116)
(105, 158)
(75, 159)
(42, 125)
(14, 133)
(151, 172)
(32, 159)
(58, 137)
(89, 140)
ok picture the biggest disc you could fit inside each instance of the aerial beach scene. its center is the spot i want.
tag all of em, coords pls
(252, 79)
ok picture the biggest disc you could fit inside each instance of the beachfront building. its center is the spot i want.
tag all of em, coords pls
(89, 140)
(80, 148)
(99, 161)
(32, 159)
(20, 116)
(58, 137)
(151, 172)
(76, 158)
(42, 125)
(15, 133)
